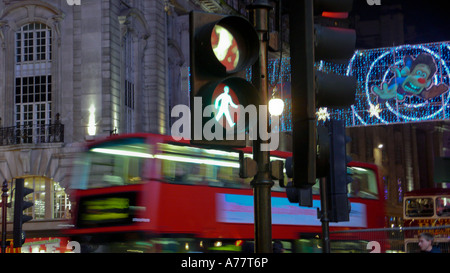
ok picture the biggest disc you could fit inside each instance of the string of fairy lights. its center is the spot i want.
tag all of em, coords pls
(373, 68)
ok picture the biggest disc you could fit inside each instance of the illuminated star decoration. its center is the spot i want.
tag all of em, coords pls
(323, 114)
(375, 110)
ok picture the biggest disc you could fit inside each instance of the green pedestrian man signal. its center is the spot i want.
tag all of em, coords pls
(222, 49)
(222, 103)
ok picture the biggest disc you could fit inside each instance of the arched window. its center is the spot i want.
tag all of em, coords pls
(33, 80)
(129, 95)
(134, 34)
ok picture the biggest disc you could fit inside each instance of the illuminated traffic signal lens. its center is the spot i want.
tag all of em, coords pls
(225, 103)
(225, 47)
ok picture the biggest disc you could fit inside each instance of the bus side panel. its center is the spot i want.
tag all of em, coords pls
(375, 213)
(149, 200)
(184, 209)
(189, 209)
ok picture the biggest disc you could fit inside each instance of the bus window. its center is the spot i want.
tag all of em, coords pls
(174, 172)
(115, 163)
(443, 206)
(229, 177)
(419, 207)
(197, 166)
(364, 183)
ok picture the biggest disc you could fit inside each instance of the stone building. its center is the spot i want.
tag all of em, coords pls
(72, 71)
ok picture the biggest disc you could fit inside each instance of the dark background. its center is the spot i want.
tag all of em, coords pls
(424, 21)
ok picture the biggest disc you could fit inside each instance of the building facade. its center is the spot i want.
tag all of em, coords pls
(404, 153)
(71, 73)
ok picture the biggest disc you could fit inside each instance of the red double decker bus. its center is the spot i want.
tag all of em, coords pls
(149, 193)
(427, 210)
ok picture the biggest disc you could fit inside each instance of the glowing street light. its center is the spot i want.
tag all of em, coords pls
(276, 106)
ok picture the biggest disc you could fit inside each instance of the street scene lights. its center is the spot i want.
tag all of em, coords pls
(276, 106)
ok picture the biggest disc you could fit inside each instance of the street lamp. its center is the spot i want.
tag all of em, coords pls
(276, 105)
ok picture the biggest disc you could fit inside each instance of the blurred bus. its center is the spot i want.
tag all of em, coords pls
(427, 210)
(148, 193)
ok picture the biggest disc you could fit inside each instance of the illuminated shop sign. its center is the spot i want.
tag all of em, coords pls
(46, 245)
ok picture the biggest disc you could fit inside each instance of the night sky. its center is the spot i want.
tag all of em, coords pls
(430, 18)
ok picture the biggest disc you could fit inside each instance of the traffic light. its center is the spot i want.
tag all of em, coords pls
(332, 152)
(310, 88)
(19, 206)
(302, 196)
(222, 48)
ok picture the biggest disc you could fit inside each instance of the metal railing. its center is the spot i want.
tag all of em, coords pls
(34, 134)
(396, 239)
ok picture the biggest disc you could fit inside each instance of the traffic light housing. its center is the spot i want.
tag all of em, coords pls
(311, 89)
(302, 196)
(222, 48)
(19, 206)
(333, 161)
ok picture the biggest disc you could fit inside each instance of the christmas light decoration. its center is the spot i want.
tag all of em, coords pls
(372, 68)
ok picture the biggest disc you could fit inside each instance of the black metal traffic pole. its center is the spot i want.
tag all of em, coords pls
(324, 215)
(262, 182)
(4, 211)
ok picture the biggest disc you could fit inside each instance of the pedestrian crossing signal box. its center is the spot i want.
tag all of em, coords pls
(222, 48)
